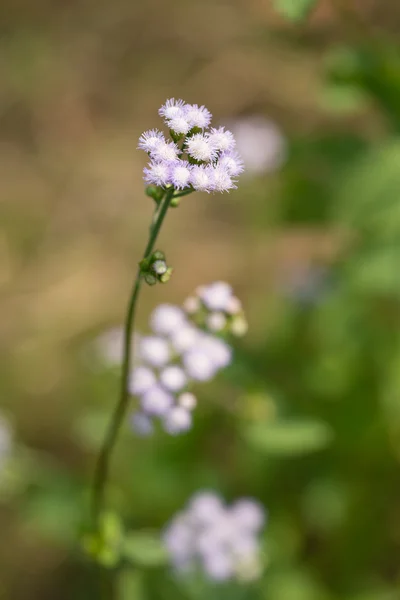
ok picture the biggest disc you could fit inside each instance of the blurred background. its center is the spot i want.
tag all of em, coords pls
(307, 419)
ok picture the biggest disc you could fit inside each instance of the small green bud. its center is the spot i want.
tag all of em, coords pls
(150, 279)
(175, 202)
(155, 192)
(158, 255)
(166, 276)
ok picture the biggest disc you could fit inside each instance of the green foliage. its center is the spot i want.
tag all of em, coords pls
(145, 549)
(289, 438)
(295, 10)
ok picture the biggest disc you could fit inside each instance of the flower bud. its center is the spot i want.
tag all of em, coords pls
(159, 267)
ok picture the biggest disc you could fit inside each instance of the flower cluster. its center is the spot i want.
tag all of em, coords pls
(197, 157)
(183, 349)
(215, 307)
(223, 541)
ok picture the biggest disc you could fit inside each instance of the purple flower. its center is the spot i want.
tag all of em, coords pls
(198, 116)
(156, 401)
(172, 109)
(200, 148)
(150, 140)
(180, 174)
(221, 140)
(177, 420)
(232, 162)
(200, 178)
(165, 151)
(157, 173)
(221, 180)
(213, 537)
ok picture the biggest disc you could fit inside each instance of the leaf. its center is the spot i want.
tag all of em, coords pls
(295, 10)
(289, 438)
(145, 549)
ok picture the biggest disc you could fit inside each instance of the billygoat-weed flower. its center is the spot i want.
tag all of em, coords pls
(222, 541)
(183, 349)
(196, 158)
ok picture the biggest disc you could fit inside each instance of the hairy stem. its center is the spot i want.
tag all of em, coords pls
(103, 461)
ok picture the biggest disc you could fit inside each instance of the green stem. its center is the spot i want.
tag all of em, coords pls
(103, 461)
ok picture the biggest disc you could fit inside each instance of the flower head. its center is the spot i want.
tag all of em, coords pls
(216, 538)
(158, 173)
(177, 420)
(232, 162)
(180, 174)
(221, 140)
(216, 164)
(198, 116)
(200, 178)
(221, 180)
(172, 109)
(150, 140)
(165, 151)
(199, 147)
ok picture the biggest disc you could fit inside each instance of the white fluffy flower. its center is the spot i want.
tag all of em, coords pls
(154, 350)
(165, 151)
(180, 175)
(167, 318)
(158, 173)
(197, 116)
(221, 180)
(150, 140)
(260, 143)
(221, 140)
(199, 365)
(233, 306)
(216, 321)
(177, 420)
(172, 108)
(191, 305)
(217, 350)
(173, 378)
(215, 538)
(184, 338)
(156, 401)
(187, 400)
(199, 147)
(216, 296)
(179, 124)
(248, 514)
(141, 380)
(200, 178)
(141, 424)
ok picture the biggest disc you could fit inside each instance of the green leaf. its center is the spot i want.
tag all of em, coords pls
(295, 10)
(145, 549)
(289, 438)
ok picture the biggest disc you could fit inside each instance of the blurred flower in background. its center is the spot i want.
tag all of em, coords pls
(186, 346)
(222, 541)
(6, 438)
(260, 143)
